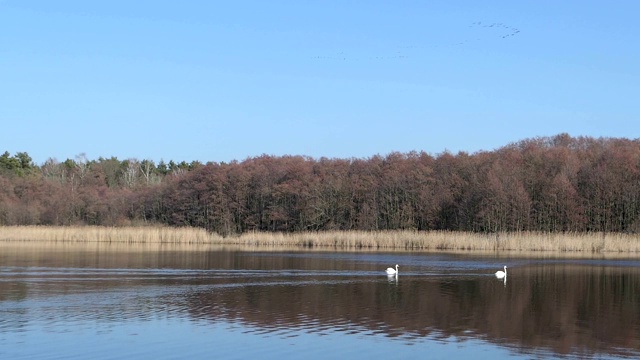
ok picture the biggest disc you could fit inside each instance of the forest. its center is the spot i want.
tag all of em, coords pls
(550, 184)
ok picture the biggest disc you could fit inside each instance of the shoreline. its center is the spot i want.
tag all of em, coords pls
(584, 244)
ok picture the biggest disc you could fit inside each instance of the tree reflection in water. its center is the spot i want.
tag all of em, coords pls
(565, 308)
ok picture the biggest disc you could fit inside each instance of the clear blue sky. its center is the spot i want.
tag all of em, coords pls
(226, 80)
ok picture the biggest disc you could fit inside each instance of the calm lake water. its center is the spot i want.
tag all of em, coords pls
(113, 302)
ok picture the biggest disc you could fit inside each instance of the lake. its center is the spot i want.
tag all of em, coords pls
(75, 301)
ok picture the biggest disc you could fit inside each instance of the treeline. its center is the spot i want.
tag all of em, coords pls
(557, 184)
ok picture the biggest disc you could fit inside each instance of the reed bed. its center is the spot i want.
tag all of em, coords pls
(348, 240)
(104, 234)
(446, 240)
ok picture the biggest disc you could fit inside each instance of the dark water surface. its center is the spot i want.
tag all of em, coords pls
(109, 302)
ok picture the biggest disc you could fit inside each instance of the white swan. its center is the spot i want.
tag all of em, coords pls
(392, 271)
(501, 274)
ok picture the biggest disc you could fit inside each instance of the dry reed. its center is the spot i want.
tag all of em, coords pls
(350, 240)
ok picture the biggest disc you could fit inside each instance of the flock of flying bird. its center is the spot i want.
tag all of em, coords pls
(511, 31)
(496, 29)
(499, 274)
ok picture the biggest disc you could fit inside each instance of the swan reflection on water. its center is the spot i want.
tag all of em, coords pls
(392, 278)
